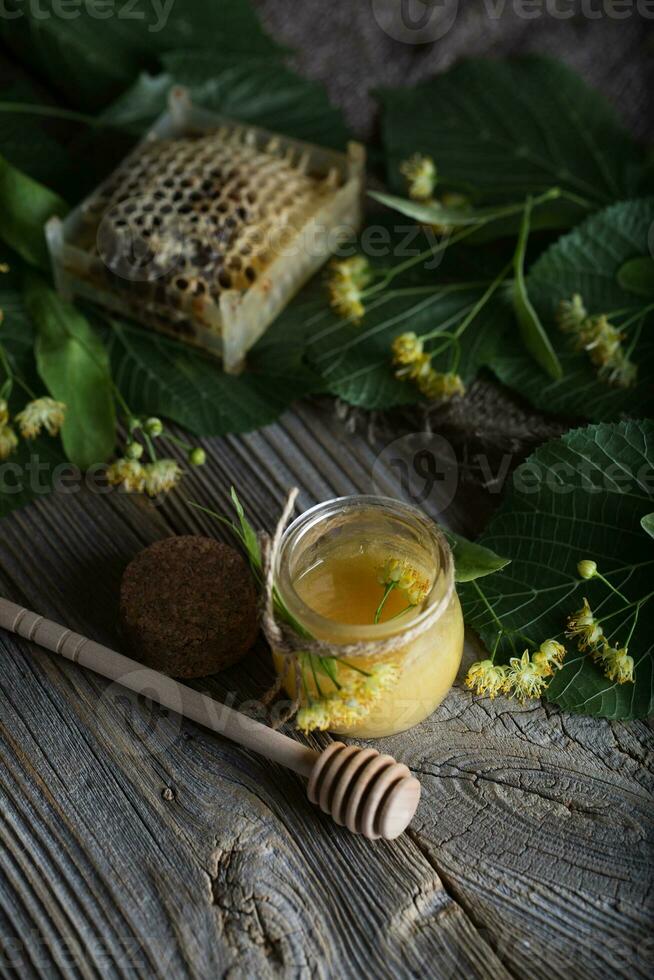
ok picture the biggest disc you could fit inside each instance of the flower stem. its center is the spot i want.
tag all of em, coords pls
(387, 592)
(612, 587)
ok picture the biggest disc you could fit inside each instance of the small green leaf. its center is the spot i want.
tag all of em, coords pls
(73, 363)
(435, 213)
(249, 535)
(25, 206)
(533, 333)
(647, 524)
(637, 276)
(472, 560)
(496, 216)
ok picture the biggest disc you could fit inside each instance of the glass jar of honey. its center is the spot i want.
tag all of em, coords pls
(361, 570)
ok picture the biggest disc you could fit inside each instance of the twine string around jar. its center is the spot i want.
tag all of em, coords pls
(285, 640)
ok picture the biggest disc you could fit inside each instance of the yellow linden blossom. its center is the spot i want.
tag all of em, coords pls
(415, 369)
(161, 476)
(406, 578)
(618, 666)
(549, 656)
(441, 386)
(349, 705)
(348, 279)
(585, 628)
(42, 413)
(128, 472)
(8, 441)
(571, 314)
(4, 412)
(600, 339)
(313, 717)
(413, 364)
(406, 348)
(421, 174)
(485, 677)
(525, 678)
(381, 677)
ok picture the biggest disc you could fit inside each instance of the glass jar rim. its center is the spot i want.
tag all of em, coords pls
(313, 620)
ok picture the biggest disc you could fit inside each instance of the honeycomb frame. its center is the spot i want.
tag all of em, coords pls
(208, 228)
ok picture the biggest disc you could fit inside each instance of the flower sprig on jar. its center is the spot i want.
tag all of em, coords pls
(398, 574)
(142, 469)
(345, 696)
(338, 693)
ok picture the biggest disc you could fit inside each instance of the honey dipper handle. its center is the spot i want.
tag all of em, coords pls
(158, 687)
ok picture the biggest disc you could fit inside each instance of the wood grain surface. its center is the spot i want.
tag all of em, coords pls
(137, 844)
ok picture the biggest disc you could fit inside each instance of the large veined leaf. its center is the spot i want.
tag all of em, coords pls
(24, 141)
(160, 376)
(354, 359)
(89, 57)
(588, 261)
(582, 496)
(256, 90)
(500, 130)
(73, 364)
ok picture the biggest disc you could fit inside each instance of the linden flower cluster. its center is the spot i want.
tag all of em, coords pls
(600, 339)
(350, 703)
(413, 364)
(346, 284)
(160, 475)
(588, 631)
(523, 677)
(39, 415)
(422, 176)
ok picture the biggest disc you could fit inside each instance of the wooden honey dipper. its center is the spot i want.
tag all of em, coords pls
(369, 793)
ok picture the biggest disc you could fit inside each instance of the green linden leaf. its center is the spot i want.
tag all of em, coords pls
(25, 143)
(253, 90)
(94, 54)
(587, 261)
(73, 363)
(647, 524)
(472, 560)
(25, 206)
(501, 130)
(637, 276)
(354, 360)
(582, 496)
(161, 376)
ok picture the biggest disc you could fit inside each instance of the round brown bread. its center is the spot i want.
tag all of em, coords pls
(188, 606)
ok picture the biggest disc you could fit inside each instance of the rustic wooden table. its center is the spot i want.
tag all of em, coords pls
(137, 844)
